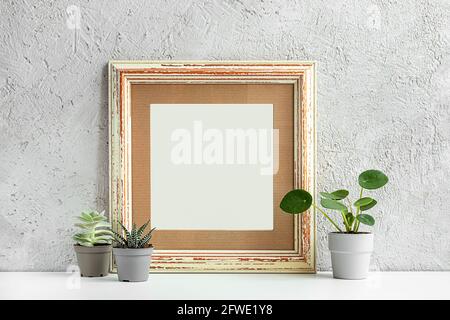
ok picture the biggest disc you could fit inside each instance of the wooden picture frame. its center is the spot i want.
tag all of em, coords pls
(301, 76)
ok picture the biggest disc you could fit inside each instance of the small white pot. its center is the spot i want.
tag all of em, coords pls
(350, 254)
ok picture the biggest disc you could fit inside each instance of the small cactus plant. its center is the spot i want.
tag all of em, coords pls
(134, 238)
(96, 230)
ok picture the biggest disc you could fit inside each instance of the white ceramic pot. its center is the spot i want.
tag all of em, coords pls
(350, 254)
(133, 264)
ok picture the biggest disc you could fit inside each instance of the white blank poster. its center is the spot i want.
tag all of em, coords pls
(209, 166)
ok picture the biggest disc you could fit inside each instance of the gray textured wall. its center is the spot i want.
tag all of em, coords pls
(383, 79)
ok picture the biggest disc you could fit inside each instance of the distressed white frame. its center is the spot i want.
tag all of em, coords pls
(301, 74)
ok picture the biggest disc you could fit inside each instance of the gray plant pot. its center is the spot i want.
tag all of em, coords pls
(350, 254)
(93, 261)
(133, 264)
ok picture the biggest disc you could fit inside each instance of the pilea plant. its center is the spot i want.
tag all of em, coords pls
(299, 200)
(134, 238)
(95, 229)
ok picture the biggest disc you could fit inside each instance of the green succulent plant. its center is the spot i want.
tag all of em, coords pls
(134, 238)
(95, 229)
(299, 200)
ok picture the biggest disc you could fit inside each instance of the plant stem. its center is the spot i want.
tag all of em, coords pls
(355, 229)
(350, 211)
(347, 226)
(329, 219)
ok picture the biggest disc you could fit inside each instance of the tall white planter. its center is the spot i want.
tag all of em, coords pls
(350, 254)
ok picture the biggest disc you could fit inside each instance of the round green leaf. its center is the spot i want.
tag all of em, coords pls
(332, 204)
(363, 202)
(326, 195)
(366, 219)
(369, 206)
(340, 194)
(296, 201)
(335, 195)
(372, 179)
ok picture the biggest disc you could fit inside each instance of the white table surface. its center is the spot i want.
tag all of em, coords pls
(380, 285)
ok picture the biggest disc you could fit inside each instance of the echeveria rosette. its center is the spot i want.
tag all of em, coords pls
(95, 229)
